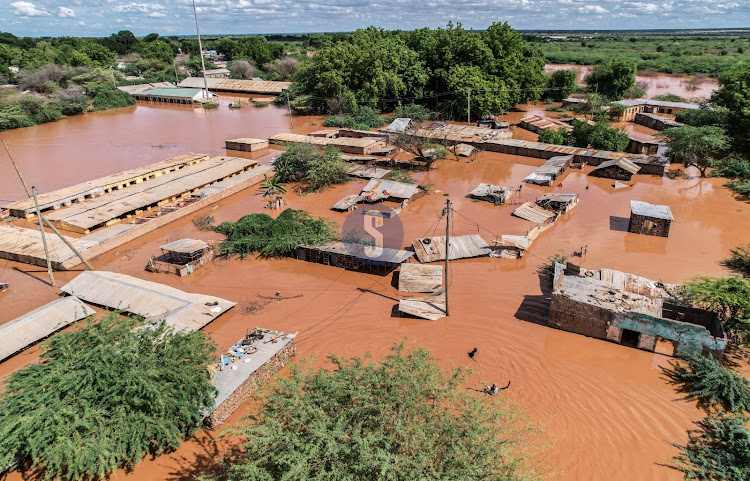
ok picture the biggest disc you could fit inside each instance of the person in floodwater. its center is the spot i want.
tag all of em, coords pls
(494, 389)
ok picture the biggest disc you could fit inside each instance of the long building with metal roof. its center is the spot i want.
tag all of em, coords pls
(236, 85)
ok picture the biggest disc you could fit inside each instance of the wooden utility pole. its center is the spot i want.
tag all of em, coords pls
(70, 246)
(447, 251)
(468, 107)
(44, 238)
(25, 186)
(289, 106)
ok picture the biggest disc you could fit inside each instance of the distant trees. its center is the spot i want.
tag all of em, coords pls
(695, 146)
(103, 396)
(242, 69)
(560, 85)
(612, 79)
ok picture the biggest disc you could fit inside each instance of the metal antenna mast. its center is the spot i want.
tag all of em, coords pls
(200, 47)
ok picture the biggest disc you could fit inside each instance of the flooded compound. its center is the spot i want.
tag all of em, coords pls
(608, 409)
(654, 83)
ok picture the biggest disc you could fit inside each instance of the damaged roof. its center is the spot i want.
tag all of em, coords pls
(651, 210)
(430, 249)
(533, 213)
(622, 163)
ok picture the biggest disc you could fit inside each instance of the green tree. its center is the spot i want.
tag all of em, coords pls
(706, 379)
(739, 261)
(326, 169)
(560, 85)
(612, 79)
(402, 418)
(695, 146)
(556, 137)
(599, 136)
(734, 95)
(728, 297)
(103, 396)
(489, 95)
(157, 50)
(718, 451)
(272, 186)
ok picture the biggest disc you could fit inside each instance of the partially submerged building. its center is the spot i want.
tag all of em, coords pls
(650, 219)
(643, 144)
(536, 123)
(354, 256)
(432, 249)
(620, 169)
(631, 310)
(633, 107)
(348, 145)
(656, 122)
(181, 257)
(236, 85)
(169, 94)
(246, 144)
(531, 212)
(550, 170)
(492, 193)
(559, 203)
(493, 124)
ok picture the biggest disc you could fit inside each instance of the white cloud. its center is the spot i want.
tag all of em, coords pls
(66, 12)
(156, 15)
(28, 9)
(593, 9)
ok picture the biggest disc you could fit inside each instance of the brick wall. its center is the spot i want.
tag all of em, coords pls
(639, 225)
(581, 318)
(251, 384)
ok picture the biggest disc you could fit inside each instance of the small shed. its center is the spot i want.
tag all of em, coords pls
(492, 193)
(181, 257)
(353, 256)
(550, 170)
(347, 204)
(378, 189)
(420, 278)
(650, 219)
(619, 169)
(400, 125)
(246, 144)
(643, 144)
(561, 203)
(431, 249)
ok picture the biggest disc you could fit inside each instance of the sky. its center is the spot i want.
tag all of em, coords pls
(174, 17)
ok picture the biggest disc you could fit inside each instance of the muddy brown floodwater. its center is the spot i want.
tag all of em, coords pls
(686, 86)
(608, 409)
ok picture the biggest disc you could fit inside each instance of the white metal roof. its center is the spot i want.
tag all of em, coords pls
(651, 210)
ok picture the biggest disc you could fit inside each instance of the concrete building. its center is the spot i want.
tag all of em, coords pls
(167, 93)
(633, 311)
(650, 219)
(656, 122)
(632, 107)
(643, 143)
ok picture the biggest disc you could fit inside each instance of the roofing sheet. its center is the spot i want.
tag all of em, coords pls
(657, 103)
(623, 163)
(399, 125)
(174, 92)
(431, 308)
(181, 310)
(40, 323)
(489, 190)
(420, 278)
(533, 213)
(368, 172)
(378, 189)
(237, 85)
(607, 296)
(342, 141)
(366, 253)
(536, 123)
(651, 210)
(431, 249)
(185, 246)
(346, 203)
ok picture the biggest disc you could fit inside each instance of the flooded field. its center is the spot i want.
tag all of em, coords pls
(686, 86)
(609, 410)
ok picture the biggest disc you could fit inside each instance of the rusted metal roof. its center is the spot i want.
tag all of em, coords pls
(378, 189)
(368, 172)
(431, 308)
(36, 325)
(185, 246)
(237, 85)
(536, 123)
(533, 213)
(431, 249)
(347, 203)
(622, 163)
(368, 254)
(651, 210)
(181, 310)
(420, 278)
(338, 141)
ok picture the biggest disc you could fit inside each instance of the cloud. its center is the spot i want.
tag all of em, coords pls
(66, 12)
(28, 9)
(156, 15)
(593, 9)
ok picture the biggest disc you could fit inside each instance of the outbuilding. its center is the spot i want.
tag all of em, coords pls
(650, 219)
(619, 169)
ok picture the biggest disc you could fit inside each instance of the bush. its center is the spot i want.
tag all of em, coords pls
(326, 169)
(259, 233)
(728, 297)
(415, 112)
(704, 117)
(741, 188)
(739, 260)
(43, 80)
(72, 101)
(210, 106)
(106, 97)
(242, 69)
(556, 137)
(365, 119)
(669, 98)
(706, 379)
(108, 393)
(718, 451)
(400, 418)
(732, 167)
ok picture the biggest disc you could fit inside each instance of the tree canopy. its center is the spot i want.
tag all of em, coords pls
(734, 95)
(402, 418)
(728, 297)
(599, 136)
(695, 146)
(560, 84)
(612, 79)
(104, 396)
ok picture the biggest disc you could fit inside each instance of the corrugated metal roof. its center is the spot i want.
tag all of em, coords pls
(365, 253)
(656, 103)
(536, 123)
(623, 163)
(338, 141)
(431, 249)
(607, 296)
(651, 210)
(368, 172)
(185, 246)
(399, 125)
(420, 278)
(143, 88)
(174, 92)
(489, 190)
(431, 308)
(378, 189)
(40, 323)
(237, 85)
(346, 203)
(533, 213)
(464, 150)
(247, 140)
(181, 310)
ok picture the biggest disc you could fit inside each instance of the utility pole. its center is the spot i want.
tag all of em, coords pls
(289, 106)
(16, 167)
(447, 251)
(200, 48)
(468, 107)
(44, 238)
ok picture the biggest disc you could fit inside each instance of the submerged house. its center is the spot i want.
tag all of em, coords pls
(353, 256)
(559, 203)
(633, 311)
(492, 193)
(550, 170)
(620, 169)
(650, 219)
(181, 257)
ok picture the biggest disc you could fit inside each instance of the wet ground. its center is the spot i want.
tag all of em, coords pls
(609, 409)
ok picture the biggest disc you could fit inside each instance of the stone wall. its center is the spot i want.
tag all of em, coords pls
(640, 224)
(579, 317)
(250, 386)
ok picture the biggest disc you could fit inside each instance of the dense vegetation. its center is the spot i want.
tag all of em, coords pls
(706, 379)
(739, 261)
(315, 168)
(402, 418)
(688, 54)
(613, 78)
(378, 67)
(695, 146)
(103, 396)
(599, 136)
(261, 234)
(728, 297)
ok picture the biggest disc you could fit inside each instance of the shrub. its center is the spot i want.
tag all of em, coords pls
(106, 97)
(287, 66)
(739, 261)
(706, 379)
(669, 97)
(260, 105)
(741, 188)
(326, 169)
(242, 69)
(550, 136)
(259, 233)
(210, 106)
(732, 167)
(43, 80)
(728, 297)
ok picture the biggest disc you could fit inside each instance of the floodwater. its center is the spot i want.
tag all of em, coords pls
(686, 86)
(608, 409)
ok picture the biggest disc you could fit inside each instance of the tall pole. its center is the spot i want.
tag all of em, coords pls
(44, 238)
(26, 188)
(200, 48)
(447, 251)
(289, 106)
(468, 105)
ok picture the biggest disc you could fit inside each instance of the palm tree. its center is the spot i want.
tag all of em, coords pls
(272, 186)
